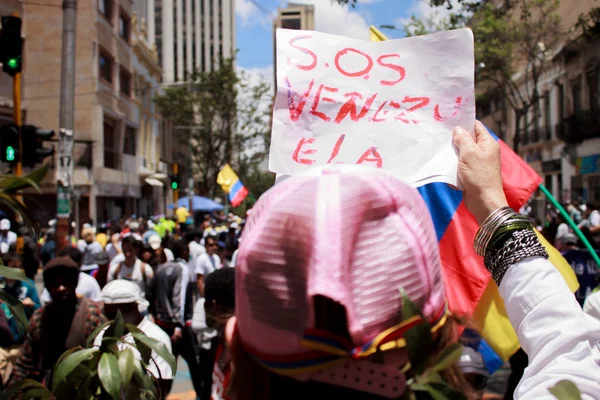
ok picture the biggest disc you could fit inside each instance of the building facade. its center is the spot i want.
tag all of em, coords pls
(192, 35)
(563, 143)
(122, 143)
(294, 16)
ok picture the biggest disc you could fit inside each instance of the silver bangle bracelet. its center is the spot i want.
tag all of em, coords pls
(492, 223)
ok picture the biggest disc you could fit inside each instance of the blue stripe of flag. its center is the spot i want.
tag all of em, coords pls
(235, 189)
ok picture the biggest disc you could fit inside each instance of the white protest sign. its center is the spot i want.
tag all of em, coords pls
(391, 105)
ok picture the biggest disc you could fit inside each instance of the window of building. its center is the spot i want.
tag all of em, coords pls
(576, 93)
(105, 8)
(129, 143)
(547, 116)
(291, 23)
(592, 81)
(111, 155)
(124, 26)
(561, 102)
(105, 67)
(125, 82)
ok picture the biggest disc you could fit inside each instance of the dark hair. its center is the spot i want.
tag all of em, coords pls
(220, 287)
(130, 241)
(180, 247)
(211, 237)
(73, 253)
(11, 255)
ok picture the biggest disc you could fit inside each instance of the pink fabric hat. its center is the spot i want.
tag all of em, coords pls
(355, 235)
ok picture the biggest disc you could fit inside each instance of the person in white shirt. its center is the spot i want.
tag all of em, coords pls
(155, 243)
(206, 262)
(6, 235)
(125, 296)
(132, 268)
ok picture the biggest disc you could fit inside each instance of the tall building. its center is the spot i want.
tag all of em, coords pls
(191, 35)
(294, 16)
(122, 153)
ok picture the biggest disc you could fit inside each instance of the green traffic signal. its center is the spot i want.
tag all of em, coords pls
(174, 185)
(10, 153)
(12, 63)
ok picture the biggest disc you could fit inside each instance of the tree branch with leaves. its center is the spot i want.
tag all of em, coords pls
(226, 116)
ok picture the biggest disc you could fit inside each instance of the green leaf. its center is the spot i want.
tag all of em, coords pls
(145, 350)
(12, 273)
(15, 307)
(441, 391)
(66, 353)
(429, 389)
(90, 339)
(419, 341)
(116, 328)
(141, 377)
(159, 348)
(108, 372)
(21, 386)
(565, 390)
(126, 366)
(448, 357)
(62, 370)
(37, 393)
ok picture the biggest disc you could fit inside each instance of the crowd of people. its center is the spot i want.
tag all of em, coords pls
(332, 288)
(157, 272)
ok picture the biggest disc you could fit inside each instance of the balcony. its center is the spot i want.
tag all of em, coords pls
(578, 127)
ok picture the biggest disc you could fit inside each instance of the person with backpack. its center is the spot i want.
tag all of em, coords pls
(132, 268)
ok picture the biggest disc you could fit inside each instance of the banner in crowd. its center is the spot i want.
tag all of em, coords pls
(390, 105)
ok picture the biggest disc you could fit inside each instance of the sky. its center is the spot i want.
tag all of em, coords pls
(254, 25)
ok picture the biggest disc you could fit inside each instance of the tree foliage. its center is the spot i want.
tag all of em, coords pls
(514, 46)
(222, 115)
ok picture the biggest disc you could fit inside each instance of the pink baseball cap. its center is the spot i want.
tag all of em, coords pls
(356, 236)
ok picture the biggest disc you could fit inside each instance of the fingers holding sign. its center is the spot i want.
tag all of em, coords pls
(479, 171)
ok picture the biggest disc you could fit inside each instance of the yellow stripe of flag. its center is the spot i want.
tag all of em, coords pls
(227, 178)
(376, 35)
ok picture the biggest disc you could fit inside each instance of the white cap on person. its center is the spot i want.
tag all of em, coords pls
(154, 241)
(4, 225)
(121, 291)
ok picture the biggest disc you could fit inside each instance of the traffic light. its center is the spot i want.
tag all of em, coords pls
(175, 181)
(9, 144)
(33, 145)
(11, 52)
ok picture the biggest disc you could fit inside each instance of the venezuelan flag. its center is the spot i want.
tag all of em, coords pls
(470, 289)
(232, 185)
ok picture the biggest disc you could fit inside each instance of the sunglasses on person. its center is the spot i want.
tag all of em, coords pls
(211, 245)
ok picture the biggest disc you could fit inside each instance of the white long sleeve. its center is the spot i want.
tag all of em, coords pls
(562, 342)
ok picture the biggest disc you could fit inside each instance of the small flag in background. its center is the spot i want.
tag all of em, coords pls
(232, 185)
(376, 35)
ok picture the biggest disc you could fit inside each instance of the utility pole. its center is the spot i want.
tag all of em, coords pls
(18, 119)
(64, 173)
